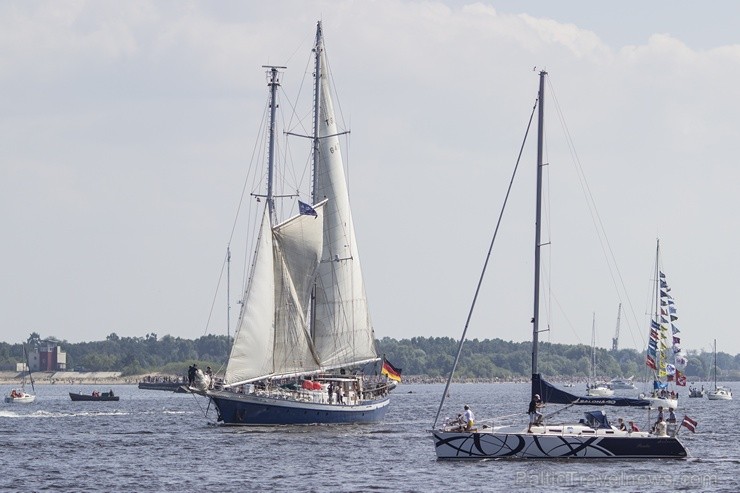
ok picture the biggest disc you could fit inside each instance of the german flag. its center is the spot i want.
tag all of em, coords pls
(391, 371)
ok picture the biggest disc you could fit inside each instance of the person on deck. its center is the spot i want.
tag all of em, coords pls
(535, 417)
(671, 415)
(468, 418)
(633, 427)
(620, 425)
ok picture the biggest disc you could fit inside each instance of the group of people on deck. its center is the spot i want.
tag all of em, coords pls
(466, 420)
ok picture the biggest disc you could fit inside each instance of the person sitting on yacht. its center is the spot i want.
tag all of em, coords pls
(620, 425)
(633, 427)
(468, 418)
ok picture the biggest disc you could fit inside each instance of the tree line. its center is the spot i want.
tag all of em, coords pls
(424, 356)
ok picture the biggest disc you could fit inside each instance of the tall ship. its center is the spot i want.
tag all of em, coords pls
(305, 337)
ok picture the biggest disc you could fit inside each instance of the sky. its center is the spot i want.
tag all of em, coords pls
(127, 130)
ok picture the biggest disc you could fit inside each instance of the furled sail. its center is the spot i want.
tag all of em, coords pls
(272, 338)
(342, 331)
(553, 395)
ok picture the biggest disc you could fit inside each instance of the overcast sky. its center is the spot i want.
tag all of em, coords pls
(127, 128)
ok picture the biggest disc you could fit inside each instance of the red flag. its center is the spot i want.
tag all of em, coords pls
(680, 379)
(689, 423)
(650, 362)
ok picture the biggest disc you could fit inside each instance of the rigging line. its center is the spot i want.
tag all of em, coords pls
(238, 210)
(604, 242)
(485, 264)
(215, 295)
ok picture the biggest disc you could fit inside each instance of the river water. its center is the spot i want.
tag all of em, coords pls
(161, 441)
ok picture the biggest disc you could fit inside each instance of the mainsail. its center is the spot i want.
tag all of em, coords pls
(342, 330)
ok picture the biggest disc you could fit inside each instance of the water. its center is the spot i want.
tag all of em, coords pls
(161, 441)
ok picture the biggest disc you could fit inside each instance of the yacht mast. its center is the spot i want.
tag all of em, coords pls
(538, 224)
(318, 48)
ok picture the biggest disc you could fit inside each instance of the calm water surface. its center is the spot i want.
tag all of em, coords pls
(161, 441)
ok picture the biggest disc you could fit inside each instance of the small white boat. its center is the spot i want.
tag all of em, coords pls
(600, 390)
(719, 393)
(622, 384)
(657, 400)
(596, 389)
(19, 396)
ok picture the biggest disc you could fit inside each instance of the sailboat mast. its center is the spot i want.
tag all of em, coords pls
(318, 48)
(715, 364)
(593, 349)
(538, 224)
(615, 341)
(656, 315)
(228, 295)
(274, 84)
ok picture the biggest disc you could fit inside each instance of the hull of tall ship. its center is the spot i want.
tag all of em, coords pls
(603, 444)
(254, 410)
(26, 399)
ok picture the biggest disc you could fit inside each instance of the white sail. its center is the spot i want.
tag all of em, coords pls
(272, 337)
(342, 331)
(251, 353)
(298, 246)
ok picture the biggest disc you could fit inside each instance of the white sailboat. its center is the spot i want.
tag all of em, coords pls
(591, 438)
(719, 393)
(664, 358)
(305, 331)
(19, 395)
(594, 388)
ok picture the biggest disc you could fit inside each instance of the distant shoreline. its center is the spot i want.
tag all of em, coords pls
(114, 378)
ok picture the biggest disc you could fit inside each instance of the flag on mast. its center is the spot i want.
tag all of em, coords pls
(391, 371)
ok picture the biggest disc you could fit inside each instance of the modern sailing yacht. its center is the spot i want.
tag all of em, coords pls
(304, 332)
(591, 438)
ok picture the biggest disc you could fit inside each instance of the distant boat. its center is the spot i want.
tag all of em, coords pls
(664, 344)
(178, 387)
(105, 396)
(591, 438)
(622, 383)
(719, 393)
(305, 333)
(593, 388)
(694, 392)
(19, 395)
